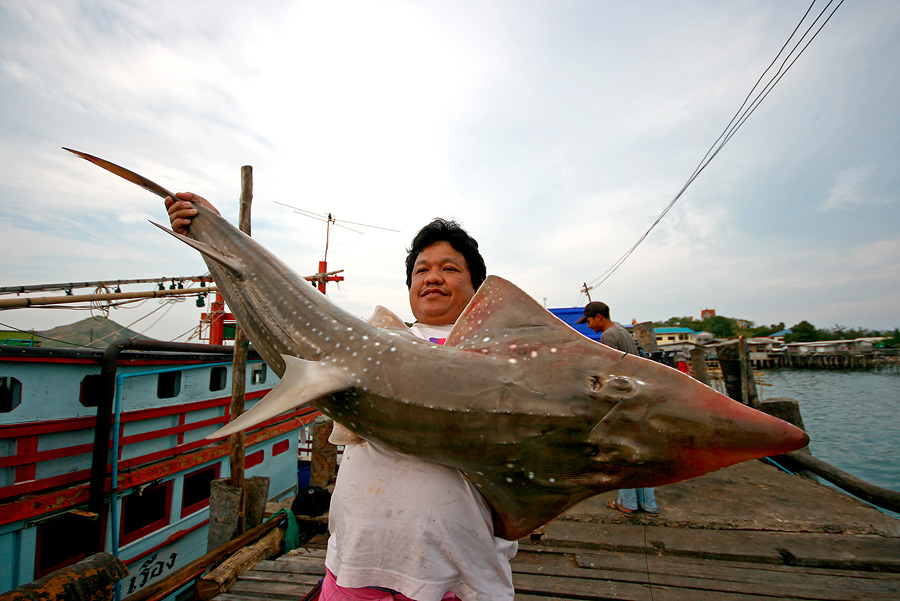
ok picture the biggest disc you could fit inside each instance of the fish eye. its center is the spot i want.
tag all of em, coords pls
(613, 386)
(620, 384)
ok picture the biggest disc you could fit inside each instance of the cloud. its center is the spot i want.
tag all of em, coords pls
(850, 187)
(556, 135)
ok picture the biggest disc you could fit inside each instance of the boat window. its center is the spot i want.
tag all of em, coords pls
(280, 447)
(58, 543)
(218, 377)
(254, 459)
(145, 511)
(90, 390)
(168, 385)
(10, 394)
(195, 495)
(258, 374)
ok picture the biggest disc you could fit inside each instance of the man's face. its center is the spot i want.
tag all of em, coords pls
(441, 285)
(595, 322)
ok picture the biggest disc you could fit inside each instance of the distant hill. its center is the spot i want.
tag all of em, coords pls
(93, 331)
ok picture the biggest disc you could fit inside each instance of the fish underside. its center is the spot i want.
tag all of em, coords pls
(535, 415)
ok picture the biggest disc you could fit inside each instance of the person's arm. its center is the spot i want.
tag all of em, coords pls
(181, 211)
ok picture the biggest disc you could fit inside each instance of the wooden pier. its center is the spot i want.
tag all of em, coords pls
(749, 532)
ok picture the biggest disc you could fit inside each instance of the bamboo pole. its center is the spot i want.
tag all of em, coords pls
(22, 302)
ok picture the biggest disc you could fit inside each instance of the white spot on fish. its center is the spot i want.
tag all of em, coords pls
(513, 361)
(486, 339)
(553, 350)
(534, 354)
(508, 479)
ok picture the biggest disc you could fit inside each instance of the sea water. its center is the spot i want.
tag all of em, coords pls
(852, 417)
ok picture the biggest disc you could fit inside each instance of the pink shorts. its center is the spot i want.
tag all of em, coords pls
(332, 592)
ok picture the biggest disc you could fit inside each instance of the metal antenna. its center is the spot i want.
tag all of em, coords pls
(330, 220)
(324, 276)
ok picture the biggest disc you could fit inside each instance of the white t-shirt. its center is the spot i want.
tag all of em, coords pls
(414, 526)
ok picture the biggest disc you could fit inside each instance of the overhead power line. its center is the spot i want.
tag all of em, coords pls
(747, 108)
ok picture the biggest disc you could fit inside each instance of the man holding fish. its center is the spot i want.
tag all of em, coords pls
(403, 527)
(536, 416)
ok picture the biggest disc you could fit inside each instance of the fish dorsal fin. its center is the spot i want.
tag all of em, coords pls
(230, 263)
(387, 319)
(502, 313)
(303, 382)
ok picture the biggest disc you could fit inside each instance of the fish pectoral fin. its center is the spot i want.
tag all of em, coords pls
(387, 319)
(303, 382)
(230, 263)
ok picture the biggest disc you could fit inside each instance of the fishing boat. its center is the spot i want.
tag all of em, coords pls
(106, 450)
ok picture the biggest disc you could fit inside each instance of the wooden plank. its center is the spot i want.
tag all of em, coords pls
(694, 579)
(750, 573)
(300, 573)
(621, 561)
(273, 590)
(303, 567)
(581, 588)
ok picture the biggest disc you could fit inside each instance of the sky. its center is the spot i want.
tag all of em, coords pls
(555, 132)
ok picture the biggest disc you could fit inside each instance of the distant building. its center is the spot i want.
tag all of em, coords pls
(779, 336)
(707, 313)
(666, 336)
(829, 347)
(702, 338)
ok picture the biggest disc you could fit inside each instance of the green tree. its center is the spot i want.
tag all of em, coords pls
(768, 330)
(893, 341)
(803, 332)
(719, 326)
(678, 322)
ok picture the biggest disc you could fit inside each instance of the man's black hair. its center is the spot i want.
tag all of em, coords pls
(444, 230)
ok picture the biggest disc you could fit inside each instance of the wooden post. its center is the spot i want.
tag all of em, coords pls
(742, 357)
(91, 579)
(323, 459)
(698, 365)
(645, 335)
(239, 364)
(737, 372)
